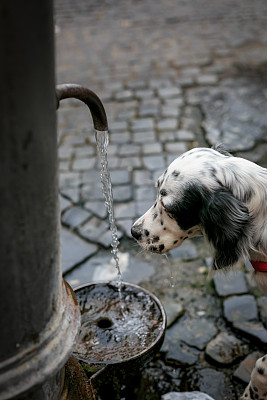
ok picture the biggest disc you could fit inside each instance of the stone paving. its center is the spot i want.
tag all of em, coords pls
(172, 75)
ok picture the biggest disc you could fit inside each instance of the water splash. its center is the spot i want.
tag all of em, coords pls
(105, 336)
(102, 141)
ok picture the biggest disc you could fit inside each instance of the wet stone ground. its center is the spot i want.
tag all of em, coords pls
(216, 325)
(172, 75)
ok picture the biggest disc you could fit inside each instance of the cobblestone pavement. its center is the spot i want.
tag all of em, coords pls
(172, 75)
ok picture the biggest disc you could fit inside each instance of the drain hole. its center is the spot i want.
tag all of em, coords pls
(104, 323)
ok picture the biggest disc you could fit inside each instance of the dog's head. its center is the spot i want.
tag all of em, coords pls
(194, 197)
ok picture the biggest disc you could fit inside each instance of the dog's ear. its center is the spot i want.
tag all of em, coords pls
(226, 223)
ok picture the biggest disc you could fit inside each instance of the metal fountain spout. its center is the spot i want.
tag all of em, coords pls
(70, 90)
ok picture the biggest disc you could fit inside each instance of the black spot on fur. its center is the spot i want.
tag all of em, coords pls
(260, 370)
(153, 248)
(175, 173)
(146, 232)
(263, 358)
(161, 222)
(155, 216)
(161, 247)
(175, 241)
(164, 229)
(213, 172)
(251, 392)
(163, 192)
(224, 219)
(155, 205)
(219, 182)
(189, 232)
(155, 239)
(160, 181)
(255, 389)
(186, 210)
(226, 222)
(248, 195)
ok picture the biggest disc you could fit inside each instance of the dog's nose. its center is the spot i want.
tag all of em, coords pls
(136, 232)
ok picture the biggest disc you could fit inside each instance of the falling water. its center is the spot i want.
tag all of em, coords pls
(102, 140)
(172, 277)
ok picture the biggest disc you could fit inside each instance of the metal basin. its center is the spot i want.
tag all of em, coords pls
(118, 335)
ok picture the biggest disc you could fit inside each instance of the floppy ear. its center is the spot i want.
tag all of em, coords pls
(226, 224)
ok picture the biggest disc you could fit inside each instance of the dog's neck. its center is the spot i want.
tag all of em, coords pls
(256, 256)
(259, 277)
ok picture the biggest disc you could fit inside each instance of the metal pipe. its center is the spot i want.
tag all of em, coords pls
(39, 316)
(71, 90)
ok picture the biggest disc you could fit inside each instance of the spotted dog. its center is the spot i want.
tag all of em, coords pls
(207, 191)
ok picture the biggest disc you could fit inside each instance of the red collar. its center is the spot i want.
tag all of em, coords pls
(260, 266)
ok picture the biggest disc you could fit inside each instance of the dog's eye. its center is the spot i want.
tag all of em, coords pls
(163, 192)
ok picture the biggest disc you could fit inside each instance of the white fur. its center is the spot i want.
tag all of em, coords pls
(208, 166)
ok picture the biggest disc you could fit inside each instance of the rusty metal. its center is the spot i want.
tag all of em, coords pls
(77, 386)
(69, 90)
(32, 366)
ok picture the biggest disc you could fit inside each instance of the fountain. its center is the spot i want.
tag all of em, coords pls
(39, 310)
(122, 324)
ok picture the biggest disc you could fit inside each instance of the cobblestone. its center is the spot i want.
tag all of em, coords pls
(169, 92)
(154, 162)
(75, 216)
(141, 137)
(175, 147)
(167, 124)
(240, 308)
(172, 76)
(152, 148)
(142, 124)
(83, 164)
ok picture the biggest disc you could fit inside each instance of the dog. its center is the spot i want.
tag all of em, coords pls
(209, 192)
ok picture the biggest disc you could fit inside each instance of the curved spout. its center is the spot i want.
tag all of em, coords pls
(95, 105)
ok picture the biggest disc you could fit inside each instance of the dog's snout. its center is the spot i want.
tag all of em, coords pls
(136, 232)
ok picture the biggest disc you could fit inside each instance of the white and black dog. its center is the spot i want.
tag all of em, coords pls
(207, 191)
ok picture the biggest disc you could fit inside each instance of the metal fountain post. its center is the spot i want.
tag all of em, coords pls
(39, 315)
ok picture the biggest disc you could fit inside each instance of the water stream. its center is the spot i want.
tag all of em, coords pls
(102, 140)
(116, 324)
